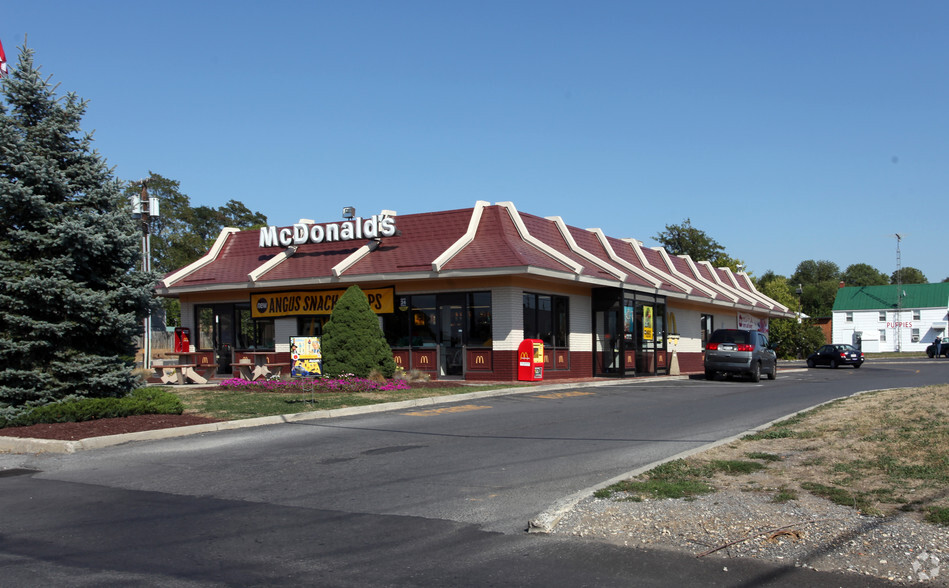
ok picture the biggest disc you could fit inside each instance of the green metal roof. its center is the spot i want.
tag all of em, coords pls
(884, 297)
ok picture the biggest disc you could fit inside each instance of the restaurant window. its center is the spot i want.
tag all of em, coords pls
(253, 334)
(916, 315)
(882, 335)
(396, 325)
(205, 340)
(479, 319)
(915, 335)
(310, 326)
(849, 317)
(546, 318)
(423, 321)
(882, 316)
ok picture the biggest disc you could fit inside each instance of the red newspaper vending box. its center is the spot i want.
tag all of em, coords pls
(182, 339)
(530, 360)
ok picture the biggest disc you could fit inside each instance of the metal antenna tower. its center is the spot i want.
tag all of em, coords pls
(899, 296)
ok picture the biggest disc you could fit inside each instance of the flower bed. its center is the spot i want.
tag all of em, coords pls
(346, 385)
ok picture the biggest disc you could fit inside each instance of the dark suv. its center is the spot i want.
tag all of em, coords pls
(737, 351)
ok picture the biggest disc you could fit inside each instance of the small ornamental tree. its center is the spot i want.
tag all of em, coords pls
(352, 341)
(71, 296)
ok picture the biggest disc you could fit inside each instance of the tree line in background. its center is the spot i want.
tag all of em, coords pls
(183, 233)
(810, 290)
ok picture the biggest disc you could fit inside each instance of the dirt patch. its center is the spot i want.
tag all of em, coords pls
(845, 487)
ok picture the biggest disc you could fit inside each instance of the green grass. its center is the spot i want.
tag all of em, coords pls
(230, 404)
(841, 496)
(735, 467)
(938, 515)
(770, 433)
(784, 495)
(676, 479)
(763, 456)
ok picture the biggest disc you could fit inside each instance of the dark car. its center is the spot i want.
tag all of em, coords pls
(737, 351)
(944, 350)
(836, 355)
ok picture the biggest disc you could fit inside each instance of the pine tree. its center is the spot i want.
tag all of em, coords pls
(353, 342)
(71, 296)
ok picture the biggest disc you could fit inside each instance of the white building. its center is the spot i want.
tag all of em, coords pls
(887, 318)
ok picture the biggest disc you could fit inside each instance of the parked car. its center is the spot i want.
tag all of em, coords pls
(737, 351)
(836, 355)
(931, 350)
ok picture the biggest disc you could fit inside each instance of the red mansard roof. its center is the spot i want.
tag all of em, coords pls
(474, 241)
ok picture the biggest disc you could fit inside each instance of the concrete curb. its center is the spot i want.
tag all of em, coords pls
(29, 445)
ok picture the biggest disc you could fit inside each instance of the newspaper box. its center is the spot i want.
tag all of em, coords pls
(530, 360)
(182, 339)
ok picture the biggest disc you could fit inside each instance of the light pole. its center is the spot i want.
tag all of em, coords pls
(145, 209)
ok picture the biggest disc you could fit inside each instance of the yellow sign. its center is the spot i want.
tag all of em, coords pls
(314, 302)
(647, 323)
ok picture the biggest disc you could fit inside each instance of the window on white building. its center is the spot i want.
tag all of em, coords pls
(915, 335)
(849, 317)
(916, 315)
(882, 316)
(882, 335)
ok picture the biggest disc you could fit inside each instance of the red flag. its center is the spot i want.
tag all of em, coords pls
(3, 61)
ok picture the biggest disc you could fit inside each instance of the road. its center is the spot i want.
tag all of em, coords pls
(425, 497)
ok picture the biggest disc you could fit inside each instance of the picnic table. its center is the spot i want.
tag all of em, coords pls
(261, 366)
(185, 369)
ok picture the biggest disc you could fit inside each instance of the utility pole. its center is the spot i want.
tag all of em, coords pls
(145, 209)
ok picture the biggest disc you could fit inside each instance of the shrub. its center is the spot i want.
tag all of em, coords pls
(352, 341)
(139, 401)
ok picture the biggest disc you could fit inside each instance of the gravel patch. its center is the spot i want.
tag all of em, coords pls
(807, 532)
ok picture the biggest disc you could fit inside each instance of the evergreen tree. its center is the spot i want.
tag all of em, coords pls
(71, 296)
(353, 342)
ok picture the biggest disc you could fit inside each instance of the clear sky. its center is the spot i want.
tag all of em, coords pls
(785, 129)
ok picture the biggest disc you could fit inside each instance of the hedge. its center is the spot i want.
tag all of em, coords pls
(140, 401)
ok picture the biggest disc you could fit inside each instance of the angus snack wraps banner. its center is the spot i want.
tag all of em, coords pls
(314, 302)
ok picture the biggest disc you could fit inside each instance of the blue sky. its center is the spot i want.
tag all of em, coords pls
(786, 130)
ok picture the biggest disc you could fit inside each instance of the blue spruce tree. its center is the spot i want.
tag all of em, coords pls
(71, 296)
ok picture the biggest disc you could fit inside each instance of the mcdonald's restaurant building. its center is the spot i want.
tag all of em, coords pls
(457, 291)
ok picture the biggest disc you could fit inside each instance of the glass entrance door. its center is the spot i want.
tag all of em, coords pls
(608, 359)
(216, 333)
(224, 337)
(451, 334)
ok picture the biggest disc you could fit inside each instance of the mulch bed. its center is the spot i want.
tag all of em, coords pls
(102, 427)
